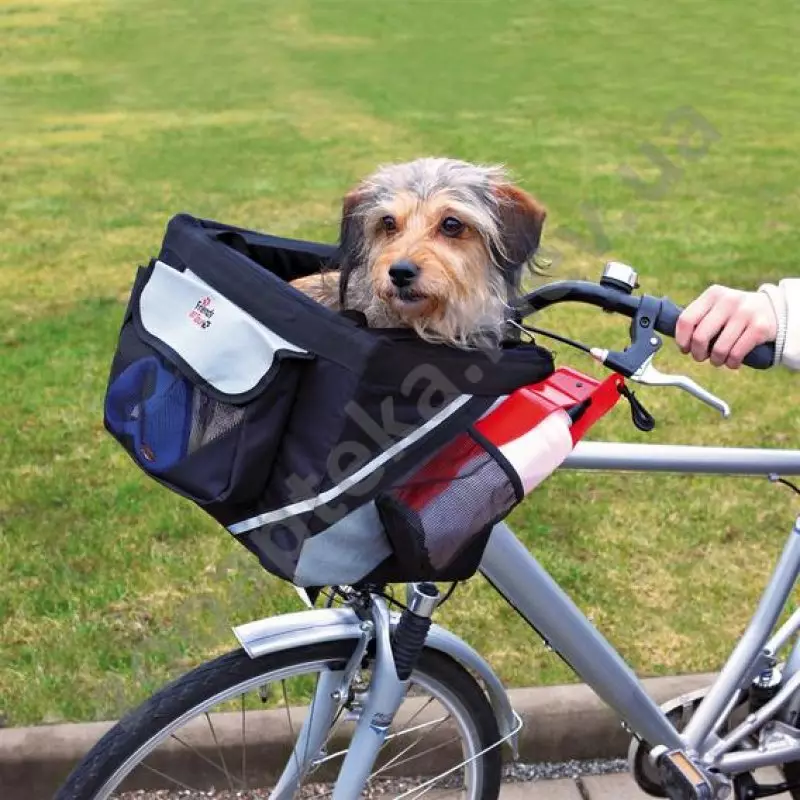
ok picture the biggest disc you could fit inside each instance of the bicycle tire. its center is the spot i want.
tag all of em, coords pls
(226, 672)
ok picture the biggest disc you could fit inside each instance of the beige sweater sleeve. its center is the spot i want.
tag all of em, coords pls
(785, 298)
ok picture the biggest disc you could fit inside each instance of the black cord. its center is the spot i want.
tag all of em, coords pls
(448, 593)
(551, 335)
(395, 602)
(387, 593)
(391, 599)
(777, 479)
(334, 594)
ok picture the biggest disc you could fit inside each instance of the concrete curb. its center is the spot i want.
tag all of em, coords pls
(560, 723)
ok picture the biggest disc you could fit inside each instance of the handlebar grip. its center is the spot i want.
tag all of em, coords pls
(761, 357)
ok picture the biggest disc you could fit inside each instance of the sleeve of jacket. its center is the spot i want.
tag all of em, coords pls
(785, 299)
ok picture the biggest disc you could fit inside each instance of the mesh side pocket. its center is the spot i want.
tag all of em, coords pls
(198, 445)
(455, 497)
(211, 419)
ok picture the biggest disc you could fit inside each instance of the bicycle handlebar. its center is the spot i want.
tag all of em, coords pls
(760, 357)
(618, 301)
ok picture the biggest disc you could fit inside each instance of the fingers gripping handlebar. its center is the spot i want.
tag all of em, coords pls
(649, 316)
(761, 357)
(664, 312)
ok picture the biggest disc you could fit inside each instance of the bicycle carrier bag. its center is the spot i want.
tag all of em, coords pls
(291, 424)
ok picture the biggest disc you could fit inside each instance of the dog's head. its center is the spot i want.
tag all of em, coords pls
(438, 245)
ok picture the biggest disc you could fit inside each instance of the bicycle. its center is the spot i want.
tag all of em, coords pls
(358, 659)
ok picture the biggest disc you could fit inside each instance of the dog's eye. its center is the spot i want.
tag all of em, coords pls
(389, 224)
(451, 226)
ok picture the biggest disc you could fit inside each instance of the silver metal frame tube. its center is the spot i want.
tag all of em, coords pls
(754, 721)
(384, 698)
(315, 730)
(527, 586)
(784, 633)
(620, 457)
(747, 760)
(738, 669)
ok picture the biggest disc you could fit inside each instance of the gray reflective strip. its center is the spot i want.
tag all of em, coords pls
(321, 499)
(493, 406)
(344, 553)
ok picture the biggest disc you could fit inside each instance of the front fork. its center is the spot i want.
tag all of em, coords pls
(391, 672)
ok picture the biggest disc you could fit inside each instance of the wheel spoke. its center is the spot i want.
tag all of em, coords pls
(420, 710)
(434, 725)
(164, 775)
(200, 755)
(419, 755)
(244, 746)
(291, 725)
(389, 737)
(410, 747)
(423, 791)
(219, 750)
(286, 706)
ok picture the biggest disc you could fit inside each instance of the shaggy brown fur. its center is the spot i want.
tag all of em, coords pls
(437, 245)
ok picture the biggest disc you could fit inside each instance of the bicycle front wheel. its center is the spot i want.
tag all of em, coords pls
(205, 729)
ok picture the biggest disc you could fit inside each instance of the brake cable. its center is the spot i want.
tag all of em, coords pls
(531, 329)
(641, 417)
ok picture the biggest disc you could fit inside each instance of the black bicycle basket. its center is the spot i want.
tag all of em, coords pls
(296, 427)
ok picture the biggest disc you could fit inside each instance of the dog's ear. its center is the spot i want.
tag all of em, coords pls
(351, 238)
(521, 221)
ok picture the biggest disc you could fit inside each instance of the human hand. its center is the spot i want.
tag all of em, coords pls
(739, 320)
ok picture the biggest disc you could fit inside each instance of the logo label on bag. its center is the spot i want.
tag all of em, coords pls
(202, 313)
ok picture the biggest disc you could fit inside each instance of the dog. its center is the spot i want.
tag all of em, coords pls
(438, 245)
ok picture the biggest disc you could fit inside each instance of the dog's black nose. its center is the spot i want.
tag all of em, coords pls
(403, 273)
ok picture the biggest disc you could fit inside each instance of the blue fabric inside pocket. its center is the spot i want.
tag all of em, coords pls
(153, 406)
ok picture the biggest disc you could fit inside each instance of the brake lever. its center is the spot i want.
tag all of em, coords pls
(648, 375)
(636, 361)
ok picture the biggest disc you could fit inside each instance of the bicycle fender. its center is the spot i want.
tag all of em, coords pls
(286, 631)
(448, 643)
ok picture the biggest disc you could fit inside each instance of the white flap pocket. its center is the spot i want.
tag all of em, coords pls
(225, 346)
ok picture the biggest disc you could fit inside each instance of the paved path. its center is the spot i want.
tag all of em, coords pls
(595, 787)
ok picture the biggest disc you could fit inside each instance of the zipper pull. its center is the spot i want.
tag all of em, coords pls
(641, 417)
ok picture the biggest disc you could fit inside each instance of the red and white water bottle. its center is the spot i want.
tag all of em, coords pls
(434, 516)
(536, 427)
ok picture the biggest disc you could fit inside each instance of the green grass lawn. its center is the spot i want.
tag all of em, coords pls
(116, 115)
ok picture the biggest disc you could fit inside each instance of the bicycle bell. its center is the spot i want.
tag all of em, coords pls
(617, 275)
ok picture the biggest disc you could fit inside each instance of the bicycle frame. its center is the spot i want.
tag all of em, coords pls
(528, 588)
